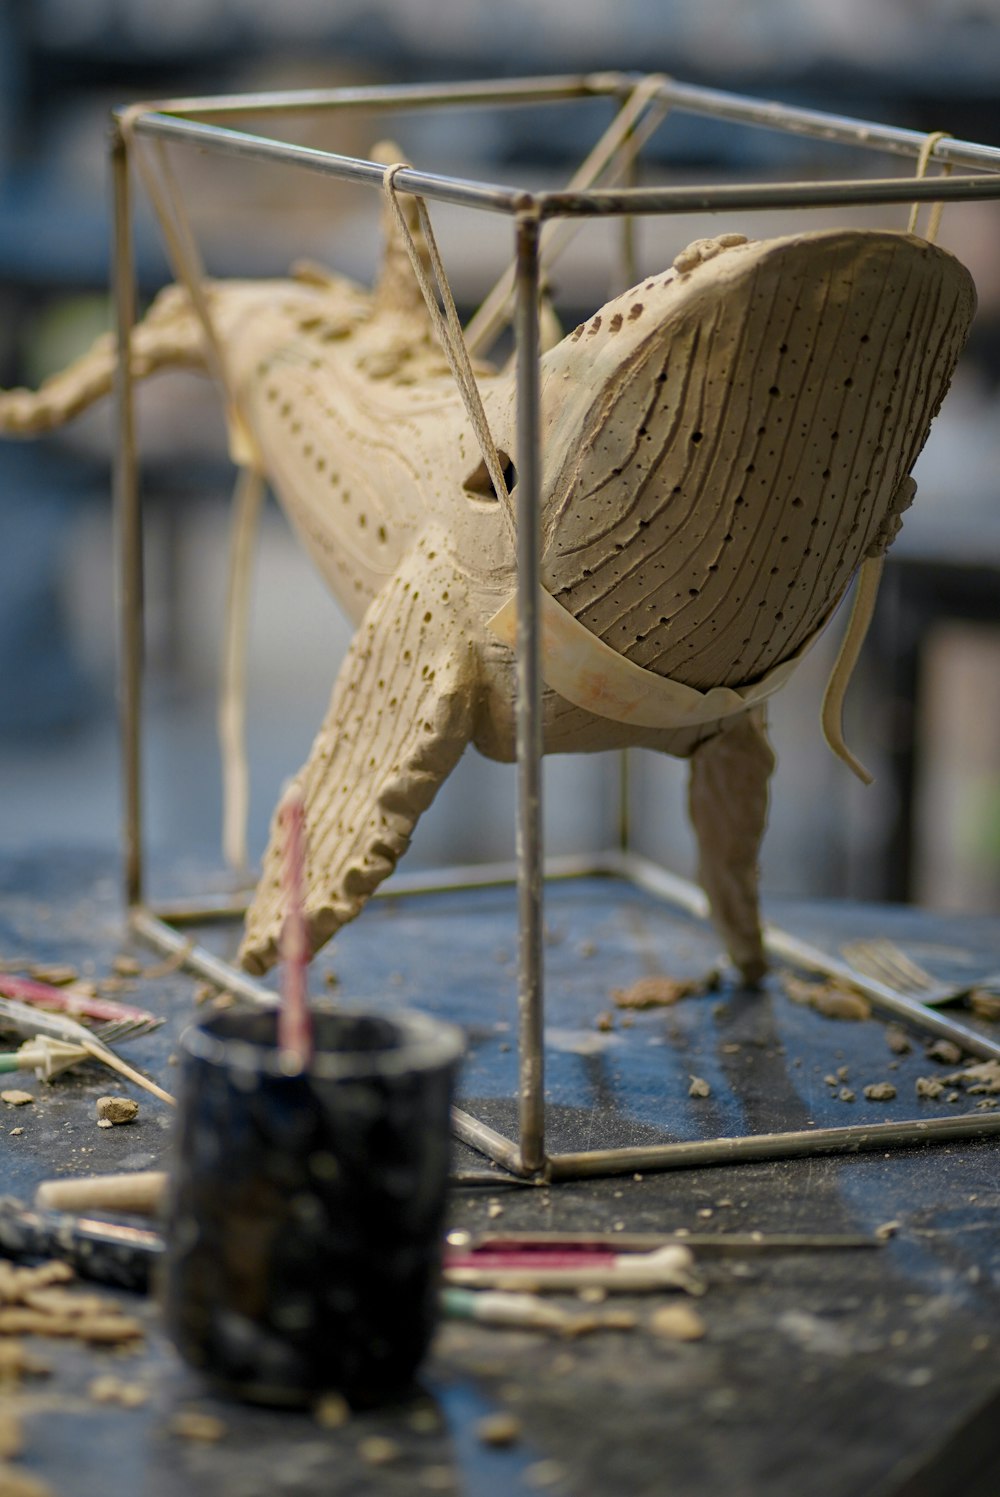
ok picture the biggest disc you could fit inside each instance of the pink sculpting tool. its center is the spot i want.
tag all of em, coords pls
(295, 1030)
(68, 1001)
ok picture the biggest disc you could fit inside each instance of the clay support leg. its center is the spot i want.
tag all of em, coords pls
(728, 795)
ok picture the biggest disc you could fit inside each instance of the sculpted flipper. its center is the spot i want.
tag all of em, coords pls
(724, 446)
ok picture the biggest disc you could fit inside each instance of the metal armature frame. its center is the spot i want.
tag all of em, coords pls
(163, 926)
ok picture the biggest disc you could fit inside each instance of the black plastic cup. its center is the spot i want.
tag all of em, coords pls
(306, 1213)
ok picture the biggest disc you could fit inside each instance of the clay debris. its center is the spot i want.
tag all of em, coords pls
(111, 1110)
(982, 1079)
(661, 992)
(33, 1302)
(827, 998)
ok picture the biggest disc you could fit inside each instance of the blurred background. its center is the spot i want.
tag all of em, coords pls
(924, 709)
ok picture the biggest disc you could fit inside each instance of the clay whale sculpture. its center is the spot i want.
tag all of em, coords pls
(723, 446)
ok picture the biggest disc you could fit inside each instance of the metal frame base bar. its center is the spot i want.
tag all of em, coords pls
(154, 926)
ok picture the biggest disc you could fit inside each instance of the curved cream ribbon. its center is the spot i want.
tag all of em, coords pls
(590, 674)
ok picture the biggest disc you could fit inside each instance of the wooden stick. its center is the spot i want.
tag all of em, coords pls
(141, 1192)
(294, 1020)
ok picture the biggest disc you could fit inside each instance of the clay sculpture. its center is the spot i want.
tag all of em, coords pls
(724, 446)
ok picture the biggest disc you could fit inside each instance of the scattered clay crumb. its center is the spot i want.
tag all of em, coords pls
(500, 1429)
(887, 1230)
(204, 993)
(31, 1306)
(192, 1424)
(830, 1080)
(985, 1103)
(104, 1123)
(944, 1050)
(117, 1110)
(845, 1094)
(17, 1483)
(677, 1323)
(111, 1389)
(11, 1436)
(57, 974)
(605, 1021)
(126, 966)
(15, 1132)
(952, 1097)
(425, 1420)
(493, 1210)
(16, 1362)
(14, 1098)
(828, 999)
(378, 1450)
(929, 1086)
(544, 1474)
(880, 1091)
(897, 1039)
(661, 992)
(984, 1004)
(594, 1294)
(699, 1087)
(984, 1076)
(332, 1411)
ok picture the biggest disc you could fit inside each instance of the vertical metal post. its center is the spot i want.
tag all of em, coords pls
(128, 524)
(529, 704)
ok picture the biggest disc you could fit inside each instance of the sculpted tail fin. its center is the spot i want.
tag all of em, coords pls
(168, 336)
(397, 290)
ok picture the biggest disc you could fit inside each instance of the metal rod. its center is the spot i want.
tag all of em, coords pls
(197, 959)
(251, 147)
(487, 1141)
(531, 1099)
(757, 196)
(856, 1139)
(209, 908)
(401, 96)
(128, 527)
(772, 115)
(686, 98)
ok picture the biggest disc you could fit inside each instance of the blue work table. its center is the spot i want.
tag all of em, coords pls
(829, 1371)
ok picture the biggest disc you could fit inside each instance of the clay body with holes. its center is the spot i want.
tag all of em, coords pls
(722, 447)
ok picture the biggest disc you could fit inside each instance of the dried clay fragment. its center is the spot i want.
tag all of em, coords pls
(499, 1429)
(897, 1039)
(17, 1483)
(662, 992)
(828, 999)
(929, 1086)
(192, 1424)
(11, 1435)
(111, 1389)
(699, 1087)
(117, 1110)
(14, 1098)
(944, 1050)
(880, 1091)
(677, 1323)
(984, 1004)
